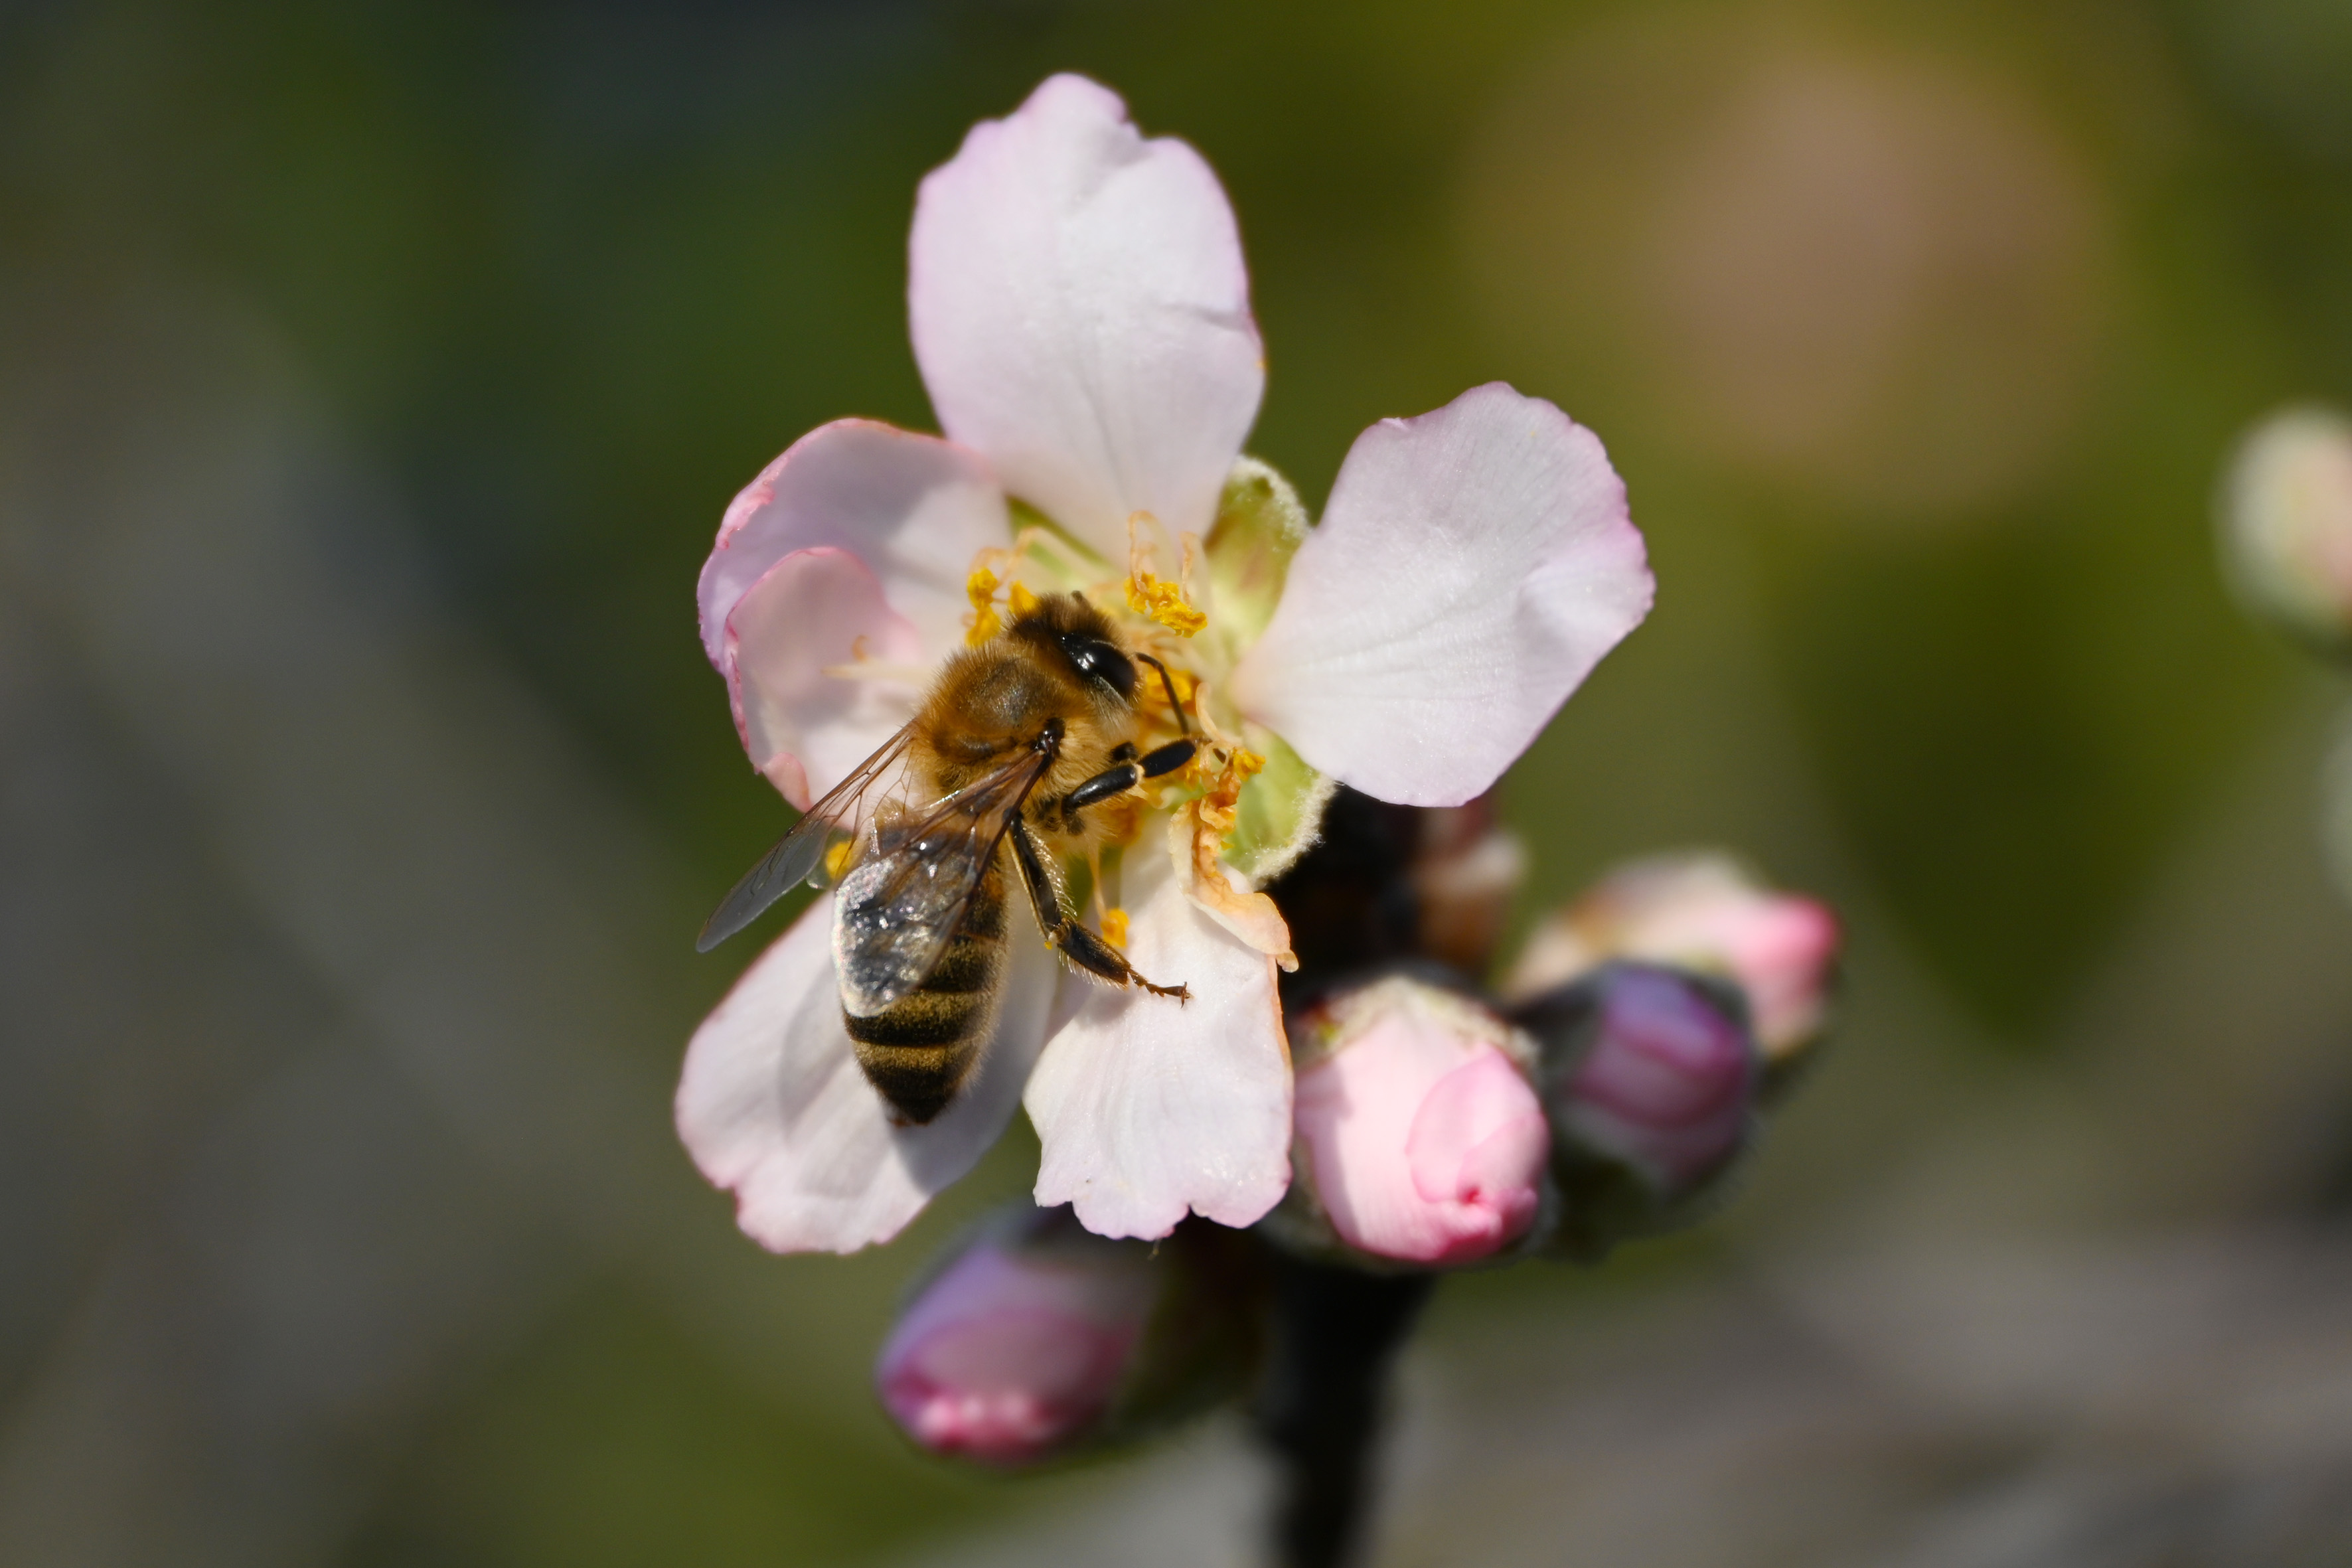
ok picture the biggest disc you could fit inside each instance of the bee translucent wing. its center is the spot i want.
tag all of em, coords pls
(799, 855)
(898, 908)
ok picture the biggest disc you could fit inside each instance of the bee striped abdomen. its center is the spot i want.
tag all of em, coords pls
(919, 1051)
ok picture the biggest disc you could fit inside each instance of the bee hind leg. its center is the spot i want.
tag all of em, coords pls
(1072, 941)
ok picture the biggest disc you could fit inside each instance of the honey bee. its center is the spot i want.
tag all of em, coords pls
(1027, 741)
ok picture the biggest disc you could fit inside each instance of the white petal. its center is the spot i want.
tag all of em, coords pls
(773, 1108)
(1147, 1107)
(914, 508)
(805, 723)
(1081, 314)
(1472, 567)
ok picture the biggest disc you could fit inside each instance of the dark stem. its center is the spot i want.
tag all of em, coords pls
(1336, 1334)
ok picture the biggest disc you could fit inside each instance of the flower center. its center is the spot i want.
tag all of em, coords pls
(1246, 801)
(1162, 617)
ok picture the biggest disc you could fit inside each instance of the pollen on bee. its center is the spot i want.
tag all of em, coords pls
(1023, 600)
(836, 858)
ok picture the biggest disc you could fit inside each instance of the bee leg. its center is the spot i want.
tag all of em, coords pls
(1071, 939)
(1102, 786)
(1119, 780)
(1166, 759)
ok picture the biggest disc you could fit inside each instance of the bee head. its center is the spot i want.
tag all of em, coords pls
(1084, 638)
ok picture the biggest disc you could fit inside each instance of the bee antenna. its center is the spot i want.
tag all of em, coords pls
(1169, 686)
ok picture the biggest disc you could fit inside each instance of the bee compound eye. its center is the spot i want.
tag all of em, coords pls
(1099, 660)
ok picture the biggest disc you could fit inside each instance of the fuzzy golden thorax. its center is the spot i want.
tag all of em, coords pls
(1060, 658)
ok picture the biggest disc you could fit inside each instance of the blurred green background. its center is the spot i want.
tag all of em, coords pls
(1919, 334)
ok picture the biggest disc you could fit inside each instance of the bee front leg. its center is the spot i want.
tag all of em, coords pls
(1119, 780)
(1071, 939)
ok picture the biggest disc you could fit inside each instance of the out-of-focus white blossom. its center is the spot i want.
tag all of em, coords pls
(2286, 525)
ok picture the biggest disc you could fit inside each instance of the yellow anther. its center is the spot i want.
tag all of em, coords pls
(1023, 601)
(836, 859)
(1114, 927)
(1164, 602)
(980, 589)
(1221, 794)
(1153, 596)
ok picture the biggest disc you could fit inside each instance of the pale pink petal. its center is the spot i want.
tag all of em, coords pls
(1427, 1144)
(914, 508)
(1146, 1106)
(806, 723)
(1781, 948)
(1081, 314)
(1478, 1141)
(773, 1108)
(1472, 566)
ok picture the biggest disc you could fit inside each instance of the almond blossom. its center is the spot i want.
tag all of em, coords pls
(1081, 316)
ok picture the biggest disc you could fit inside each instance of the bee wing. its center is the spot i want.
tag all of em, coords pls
(799, 855)
(898, 910)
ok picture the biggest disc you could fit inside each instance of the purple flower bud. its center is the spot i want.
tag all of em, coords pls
(1416, 1124)
(1017, 1349)
(1664, 1083)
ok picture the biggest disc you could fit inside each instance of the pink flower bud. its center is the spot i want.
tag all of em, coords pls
(1698, 911)
(1017, 1349)
(1416, 1122)
(1663, 1082)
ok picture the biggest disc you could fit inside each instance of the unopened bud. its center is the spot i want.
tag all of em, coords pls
(1015, 1349)
(1419, 1138)
(2286, 525)
(1039, 1339)
(1650, 1077)
(1699, 911)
